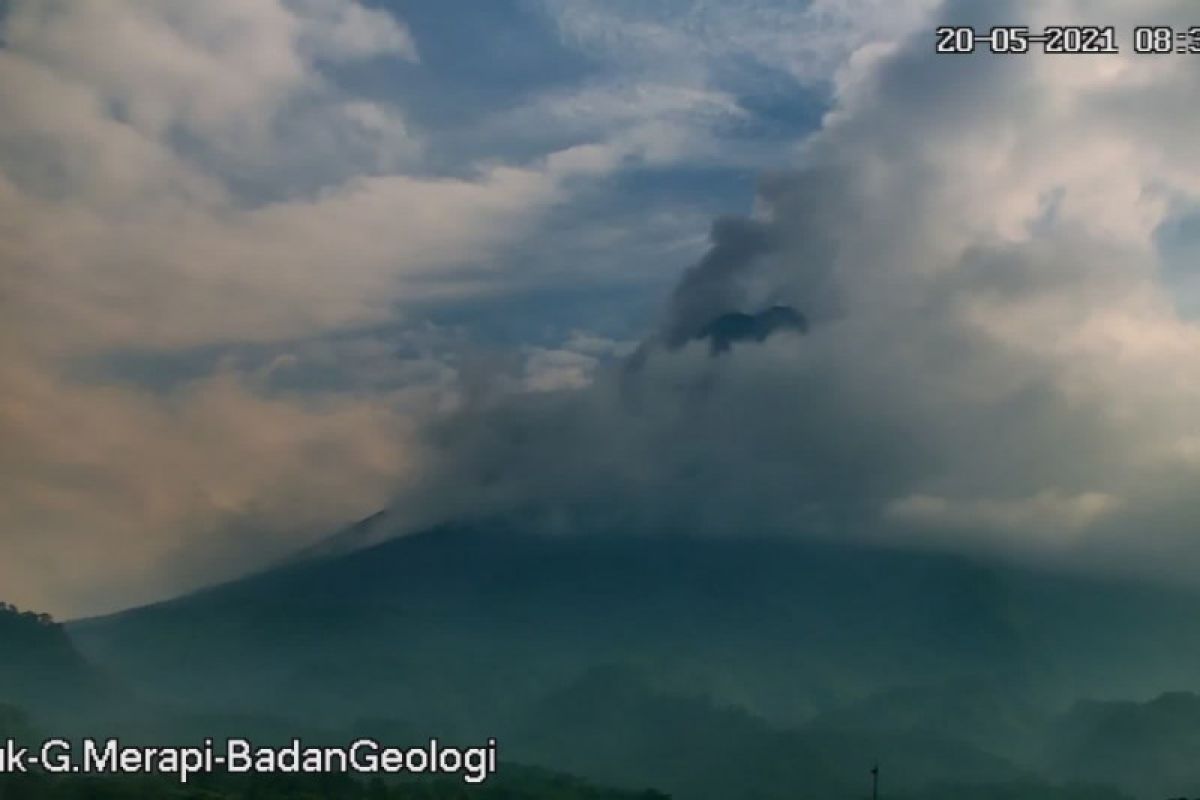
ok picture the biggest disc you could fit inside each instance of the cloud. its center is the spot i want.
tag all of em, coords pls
(1039, 517)
(710, 288)
(182, 177)
(214, 71)
(808, 41)
(697, 82)
(549, 370)
(988, 253)
(993, 347)
(109, 486)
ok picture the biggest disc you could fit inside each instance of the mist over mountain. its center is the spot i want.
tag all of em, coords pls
(635, 660)
(1148, 748)
(781, 627)
(41, 668)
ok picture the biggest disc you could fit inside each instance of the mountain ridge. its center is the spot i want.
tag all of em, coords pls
(473, 630)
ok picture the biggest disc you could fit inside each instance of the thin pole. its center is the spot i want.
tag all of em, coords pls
(875, 781)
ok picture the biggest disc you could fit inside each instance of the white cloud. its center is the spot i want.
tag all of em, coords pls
(549, 370)
(1040, 519)
(218, 70)
(689, 39)
(974, 240)
(339, 30)
(993, 346)
(114, 495)
(127, 131)
(668, 88)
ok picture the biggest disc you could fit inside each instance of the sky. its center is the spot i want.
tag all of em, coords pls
(268, 267)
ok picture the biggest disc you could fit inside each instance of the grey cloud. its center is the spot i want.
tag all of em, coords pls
(129, 134)
(993, 359)
(979, 373)
(711, 288)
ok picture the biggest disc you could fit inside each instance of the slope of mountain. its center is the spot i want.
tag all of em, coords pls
(521, 782)
(41, 670)
(364, 533)
(15, 723)
(977, 713)
(803, 659)
(1151, 748)
(457, 627)
(611, 724)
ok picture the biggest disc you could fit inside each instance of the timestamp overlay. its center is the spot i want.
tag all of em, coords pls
(1068, 39)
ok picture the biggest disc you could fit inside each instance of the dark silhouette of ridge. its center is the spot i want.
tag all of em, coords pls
(736, 326)
(368, 531)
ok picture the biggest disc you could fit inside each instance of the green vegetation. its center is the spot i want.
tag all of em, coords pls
(710, 670)
(517, 784)
(14, 723)
(41, 669)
